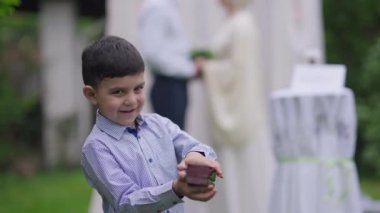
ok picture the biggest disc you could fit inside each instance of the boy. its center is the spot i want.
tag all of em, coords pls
(131, 158)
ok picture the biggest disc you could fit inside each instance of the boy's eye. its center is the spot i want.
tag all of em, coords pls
(117, 92)
(139, 88)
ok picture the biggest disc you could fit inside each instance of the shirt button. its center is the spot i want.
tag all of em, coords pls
(150, 160)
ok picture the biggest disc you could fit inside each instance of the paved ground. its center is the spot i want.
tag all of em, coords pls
(370, 205)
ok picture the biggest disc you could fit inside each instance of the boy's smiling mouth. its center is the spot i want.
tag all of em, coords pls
(127, 111)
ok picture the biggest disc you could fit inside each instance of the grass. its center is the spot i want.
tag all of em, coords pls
(371, 187)
(59, 191)
(62, 191)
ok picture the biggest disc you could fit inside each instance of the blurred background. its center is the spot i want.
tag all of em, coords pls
(44, 118)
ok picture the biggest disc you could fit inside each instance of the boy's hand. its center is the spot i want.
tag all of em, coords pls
(201, 193)
(196, 158)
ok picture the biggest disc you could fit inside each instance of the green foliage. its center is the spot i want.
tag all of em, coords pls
(351, 30)
(20, 84)
(13, 106)
(19, 99)
(14, 109)
(351, 27)
(7, 7)
(202, 53)
(368, 109)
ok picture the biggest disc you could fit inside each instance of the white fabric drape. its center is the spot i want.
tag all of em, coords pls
(314, 143)
(234, 81)
(238, 112)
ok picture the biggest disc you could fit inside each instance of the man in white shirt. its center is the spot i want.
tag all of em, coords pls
(166, 50)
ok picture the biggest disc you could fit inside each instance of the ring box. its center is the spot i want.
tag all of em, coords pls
(199, 175)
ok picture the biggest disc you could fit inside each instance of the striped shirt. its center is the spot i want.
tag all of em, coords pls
(133, 169)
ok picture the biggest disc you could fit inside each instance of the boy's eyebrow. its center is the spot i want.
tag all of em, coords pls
(120, 87)
(141, 84)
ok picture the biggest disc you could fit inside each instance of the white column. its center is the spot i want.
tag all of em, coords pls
(296, 29)
(58, 102)
(61, 77)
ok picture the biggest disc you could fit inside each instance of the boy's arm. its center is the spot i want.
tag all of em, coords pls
(184, 143)
(190, 151)
(105, 175)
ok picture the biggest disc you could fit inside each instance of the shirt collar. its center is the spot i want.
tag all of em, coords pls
(113, 129)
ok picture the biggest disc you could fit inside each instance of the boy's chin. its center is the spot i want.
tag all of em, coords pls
(129, 123)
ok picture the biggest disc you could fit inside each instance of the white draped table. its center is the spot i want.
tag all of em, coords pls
(314, 136)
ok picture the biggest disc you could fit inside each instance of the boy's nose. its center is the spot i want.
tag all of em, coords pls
(129, 101)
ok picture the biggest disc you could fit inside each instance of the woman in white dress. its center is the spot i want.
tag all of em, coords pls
(238, 108)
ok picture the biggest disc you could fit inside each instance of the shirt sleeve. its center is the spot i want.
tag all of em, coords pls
(105, 175)
(185, 143)
(162, 43)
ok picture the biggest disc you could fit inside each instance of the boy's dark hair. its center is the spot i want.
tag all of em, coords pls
(110, 57)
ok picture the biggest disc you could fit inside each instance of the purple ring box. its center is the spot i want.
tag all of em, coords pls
(198, 175)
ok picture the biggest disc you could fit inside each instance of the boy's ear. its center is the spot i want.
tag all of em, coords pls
(90, 94)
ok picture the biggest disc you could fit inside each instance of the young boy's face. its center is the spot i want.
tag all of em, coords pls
(120, 99)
